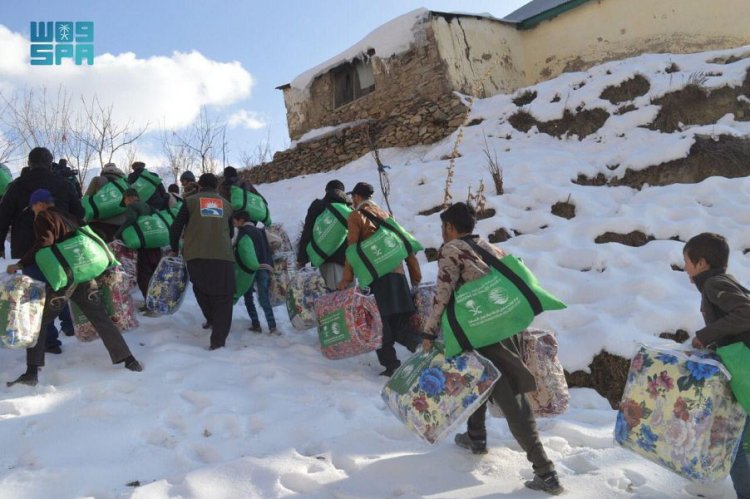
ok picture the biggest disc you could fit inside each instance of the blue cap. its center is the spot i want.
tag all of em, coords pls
(41, 196)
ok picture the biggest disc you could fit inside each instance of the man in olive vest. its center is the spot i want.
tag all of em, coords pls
(50, 226)
(205, 219)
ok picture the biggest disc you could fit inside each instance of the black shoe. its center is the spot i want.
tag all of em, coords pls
(69, 332)
(273, 331)
(390, 370)
(548, 483)
(206, 325)
(215, 347)
(27, 378)
(255, 328)
(54, 349)
(133, 365)
(476, 446)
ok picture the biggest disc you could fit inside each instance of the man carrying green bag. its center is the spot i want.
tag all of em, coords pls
(725, 306)
(52, 230)
(461, 264)
(145, 232)
(243, 196)
(245, 260)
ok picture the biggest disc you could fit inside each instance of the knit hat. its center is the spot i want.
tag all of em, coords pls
(363, 189)
(335, 185)
(230, 172)
(208, 180)
(138, 165)
(188, 176)
(41, 196)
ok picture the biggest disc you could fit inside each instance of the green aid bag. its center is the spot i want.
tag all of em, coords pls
(107, 202)
(6, 177)
(148, 232)
(328, 234)
(736, 358)
(380, 253)
(254, 205)
(78, 258)
(169, 215)
(495, 307)
(245, 265)
(146, 184)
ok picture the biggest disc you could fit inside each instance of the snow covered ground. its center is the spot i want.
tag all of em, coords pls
(271, 417)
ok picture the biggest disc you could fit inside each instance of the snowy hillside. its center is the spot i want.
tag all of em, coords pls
(270, 417)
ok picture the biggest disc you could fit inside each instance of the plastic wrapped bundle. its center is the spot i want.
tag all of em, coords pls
(278, 239)
(282, 263)
(167, 286)
(303, 288)
(423, 296)
(678, 411)
(128, 259)
(551, 397)
(21, 308)
(115, 292)
(349, 324)
(431, 395)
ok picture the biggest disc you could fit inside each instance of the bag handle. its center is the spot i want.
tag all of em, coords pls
(379, 222)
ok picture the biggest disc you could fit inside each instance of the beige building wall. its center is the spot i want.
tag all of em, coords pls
(483, 57)
(603, 30)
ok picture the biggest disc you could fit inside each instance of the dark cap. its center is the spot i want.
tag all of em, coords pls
(208, 181)
(362, 189)
(335, 185)
(41, 196)
(230, 172)
(138, 165)
(188, 176)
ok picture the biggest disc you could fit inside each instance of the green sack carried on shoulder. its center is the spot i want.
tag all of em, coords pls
(328, 234)
(494, 307)
(245, 265)
(382, 252)
(107, 202)
(148, 232)
(254, 205)
(736, 358)
(146, 184)
(78, 258)
(169, 215)
(6, 177)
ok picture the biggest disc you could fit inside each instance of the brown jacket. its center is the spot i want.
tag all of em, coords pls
(360, 228)
(50, 225)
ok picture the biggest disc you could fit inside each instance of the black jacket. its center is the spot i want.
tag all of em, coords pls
(16, 215)
(316, 208)
(160, 199)
(260, 241)
(725, 307)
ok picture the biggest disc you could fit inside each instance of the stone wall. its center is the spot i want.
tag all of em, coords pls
(421, 121)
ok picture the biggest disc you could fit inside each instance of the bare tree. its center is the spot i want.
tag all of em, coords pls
(203, 139)
(179, 155)
(261, 154)
(103, 133)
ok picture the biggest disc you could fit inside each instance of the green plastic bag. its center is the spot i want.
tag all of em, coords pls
(254, 205)
(149, 231)
(736, 358)
(146, 184)
(328, 234)
(495, 307)
(169, 215)
(245, 265)
(6, 177)
(107, 202)
(380, 253)
(78, 258)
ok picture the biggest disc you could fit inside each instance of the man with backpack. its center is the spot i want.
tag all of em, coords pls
(52, 225)
(146, 181)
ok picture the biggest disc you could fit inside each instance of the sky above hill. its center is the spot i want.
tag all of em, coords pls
(226, 55)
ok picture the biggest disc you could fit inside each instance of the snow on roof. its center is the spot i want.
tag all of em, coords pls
(391, 38)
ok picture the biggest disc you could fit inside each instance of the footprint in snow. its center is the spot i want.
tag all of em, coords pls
(196, 399)
(299, 483)
(581, 463)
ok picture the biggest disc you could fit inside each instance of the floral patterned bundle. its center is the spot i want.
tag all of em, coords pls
(551, 397)
(349, 324)
(304, 287)
(167, 286)
(128, 258)
(423, 296)
(432, 395)
(282, 262)
(678, 411)
(21, 308)
(114, 285)
(278, 239)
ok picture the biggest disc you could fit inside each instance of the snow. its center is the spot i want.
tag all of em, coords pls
(271, 417)
(393, 37)
(326, 130)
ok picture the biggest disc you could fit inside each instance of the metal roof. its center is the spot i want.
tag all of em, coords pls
(537, 11)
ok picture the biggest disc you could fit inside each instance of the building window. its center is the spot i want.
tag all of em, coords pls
(351, 81)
